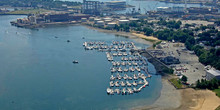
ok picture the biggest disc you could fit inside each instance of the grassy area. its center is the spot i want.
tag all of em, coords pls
(176, 82)
(218, 108)
(217, 91)
(30, 11)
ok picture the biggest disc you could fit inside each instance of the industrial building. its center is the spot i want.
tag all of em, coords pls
(92, 7)
(116, 4)
(51, 18)
(212, 73)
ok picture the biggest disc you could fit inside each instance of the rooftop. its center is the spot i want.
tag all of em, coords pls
(214, 72)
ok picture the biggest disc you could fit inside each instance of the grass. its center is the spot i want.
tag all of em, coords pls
(218, 108)
(29, 11)
(217, 91)
(176, 82)
(150, 40)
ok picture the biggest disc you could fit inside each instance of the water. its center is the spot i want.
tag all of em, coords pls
(146, 5)
(37, 72)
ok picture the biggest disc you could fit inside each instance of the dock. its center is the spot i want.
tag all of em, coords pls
(129, 70)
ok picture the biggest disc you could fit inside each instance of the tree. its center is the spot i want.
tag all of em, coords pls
(184, 78)
(148, 31)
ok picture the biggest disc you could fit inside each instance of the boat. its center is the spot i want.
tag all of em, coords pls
(140, 82)
(110, 91)
(117, 91)
(130, 91)
(116, 84)
(111, 83)
(74, 61)
(124, 91)
(112, 77)
(134, 83)
(128, 84)
(135, 77)
(122, 83)
(119, 76)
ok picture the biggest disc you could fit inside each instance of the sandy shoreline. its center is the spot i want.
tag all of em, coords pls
(171, 98)
(129, 35)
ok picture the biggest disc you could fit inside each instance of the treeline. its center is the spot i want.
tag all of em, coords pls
(170, 24)
(211, 37)
(170, 34)
(205, 84)
(136, 26)
(207, 57)
(47, 4)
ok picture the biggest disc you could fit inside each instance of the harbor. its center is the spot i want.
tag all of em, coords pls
(128, 71)
(52, 68)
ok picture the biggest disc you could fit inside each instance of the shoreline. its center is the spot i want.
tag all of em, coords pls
(129, 35)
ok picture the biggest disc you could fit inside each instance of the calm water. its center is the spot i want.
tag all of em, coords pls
(37, 72)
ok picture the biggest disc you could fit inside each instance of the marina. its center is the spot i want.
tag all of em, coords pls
(129, 69)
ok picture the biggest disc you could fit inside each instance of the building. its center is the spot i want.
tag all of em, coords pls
(111, 25)
(92, 7)
(100, 23)
(78, 17)
(116, 4)
(58, 17)
(164, 9)
(202, 10)
(170, 60)
(83, 19)
(212, 73)
(177, 9)
(123, 22)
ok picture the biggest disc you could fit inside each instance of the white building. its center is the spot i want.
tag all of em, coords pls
(123, 22)
(83, 19)
(91, 18)
(212, 73)
(111, 25)
(100, 23)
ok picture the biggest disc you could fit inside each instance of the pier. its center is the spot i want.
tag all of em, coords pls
(129, 71)
(160, 65)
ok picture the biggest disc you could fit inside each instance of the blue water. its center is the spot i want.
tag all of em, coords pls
(37, 73)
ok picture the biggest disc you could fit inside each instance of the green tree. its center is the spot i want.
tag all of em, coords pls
(148, 31)
(184, 78)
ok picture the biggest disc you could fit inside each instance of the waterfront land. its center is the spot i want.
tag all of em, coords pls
(26, 12)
